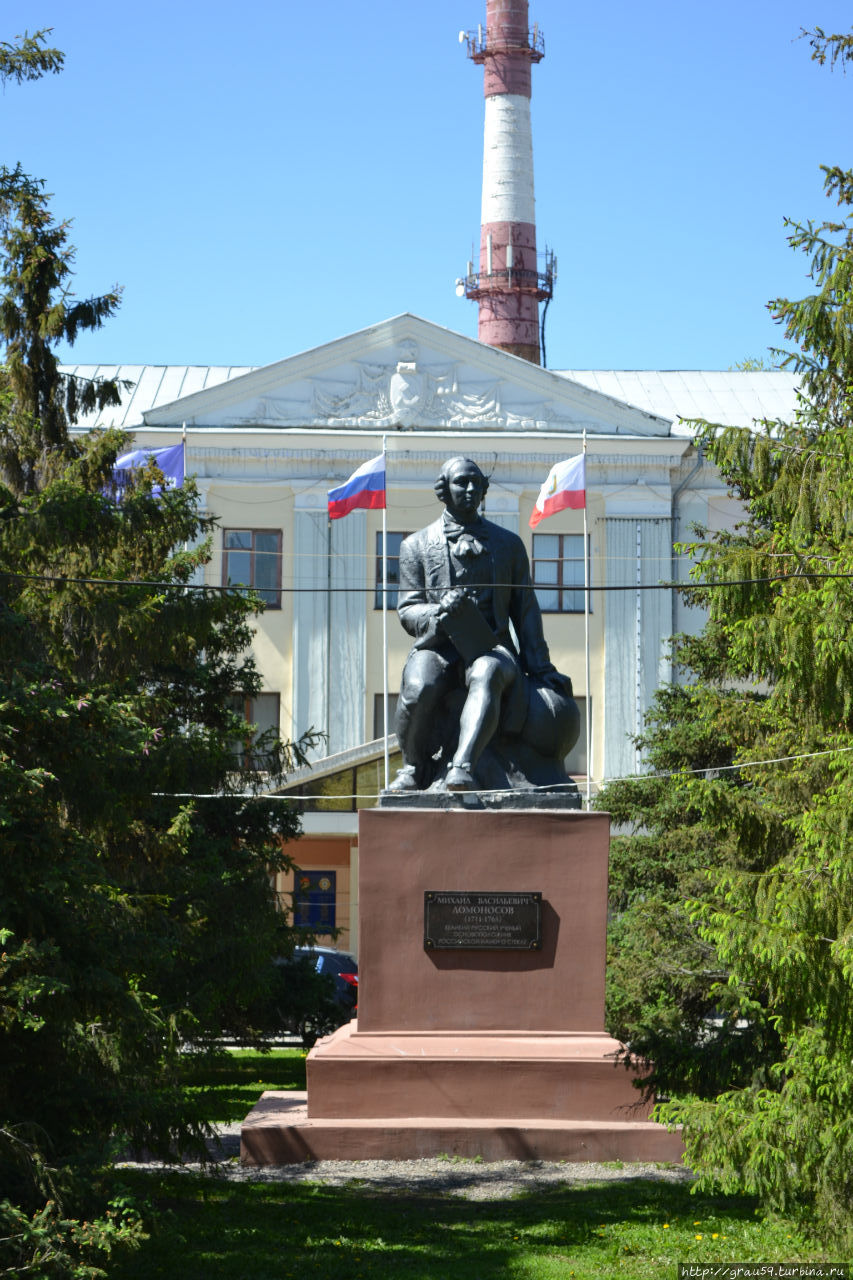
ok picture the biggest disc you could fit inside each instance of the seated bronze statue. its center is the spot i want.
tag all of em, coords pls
(481, 705)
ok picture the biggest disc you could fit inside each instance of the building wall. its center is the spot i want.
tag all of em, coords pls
(265, 445)
(322, 651)
(337, 855)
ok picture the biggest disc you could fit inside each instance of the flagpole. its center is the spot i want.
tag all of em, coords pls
(328, 632)
(586, 634)
(385, 618)
(184, 443)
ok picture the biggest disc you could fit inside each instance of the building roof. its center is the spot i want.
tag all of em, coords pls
(150, 386)
(641, 402)
(731, 397)
(403, 373)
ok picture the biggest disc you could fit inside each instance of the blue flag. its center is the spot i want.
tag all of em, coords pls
(170, 460)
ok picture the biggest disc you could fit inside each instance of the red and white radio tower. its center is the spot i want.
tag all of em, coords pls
(508, 285)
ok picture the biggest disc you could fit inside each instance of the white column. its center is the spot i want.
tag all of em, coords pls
(310, 617)
(502, 509)
(352, 595)
(637, 626)
(215, 565)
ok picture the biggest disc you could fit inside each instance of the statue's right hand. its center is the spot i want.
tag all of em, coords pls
(429, 625)
(450, 602)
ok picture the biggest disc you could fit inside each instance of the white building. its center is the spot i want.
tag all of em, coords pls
(266, 444)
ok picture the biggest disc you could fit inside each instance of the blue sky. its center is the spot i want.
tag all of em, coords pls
(264, 177)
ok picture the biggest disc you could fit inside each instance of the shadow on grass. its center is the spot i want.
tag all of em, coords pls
(205, 1227)
(228, 1085)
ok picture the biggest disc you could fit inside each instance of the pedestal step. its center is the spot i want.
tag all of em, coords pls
(278, 1131)
(553, 1076)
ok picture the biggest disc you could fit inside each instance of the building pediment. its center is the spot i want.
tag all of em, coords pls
(406, 374)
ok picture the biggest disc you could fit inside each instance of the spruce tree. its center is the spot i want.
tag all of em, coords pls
(37, 311)
(28, 57)
(667, 992)
(767, 844)
(136, 908)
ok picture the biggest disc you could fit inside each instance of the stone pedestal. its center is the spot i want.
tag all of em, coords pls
(496, 1053)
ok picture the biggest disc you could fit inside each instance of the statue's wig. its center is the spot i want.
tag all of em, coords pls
(452, 464)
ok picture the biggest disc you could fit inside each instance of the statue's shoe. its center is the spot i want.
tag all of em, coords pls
(459, 778)
(404, 780)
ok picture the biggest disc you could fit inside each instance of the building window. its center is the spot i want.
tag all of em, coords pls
(262, 712)
(575, 761)
(252, 558)
(314, 900)
(379, 713)
(558, 572)
(393, 580)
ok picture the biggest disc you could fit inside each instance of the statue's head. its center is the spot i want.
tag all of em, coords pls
(461, 486)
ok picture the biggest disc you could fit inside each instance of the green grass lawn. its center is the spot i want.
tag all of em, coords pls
(230, 1086)
(204, 1228)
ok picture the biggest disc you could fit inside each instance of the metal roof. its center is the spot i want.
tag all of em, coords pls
(152, 385)
(731, 397)
(728, 397)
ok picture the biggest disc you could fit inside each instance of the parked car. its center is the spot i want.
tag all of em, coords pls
(339, 965)
(318, 991)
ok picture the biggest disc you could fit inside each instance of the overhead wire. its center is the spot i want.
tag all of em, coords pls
(299, 797)
(368, 589)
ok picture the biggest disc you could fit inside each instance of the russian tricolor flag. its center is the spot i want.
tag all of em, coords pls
(365, 488)
(564, 487)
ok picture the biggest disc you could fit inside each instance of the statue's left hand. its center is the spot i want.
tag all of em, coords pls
(554, 679)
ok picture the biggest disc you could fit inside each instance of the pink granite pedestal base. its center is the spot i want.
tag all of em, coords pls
(279, 1131)
(497, 1054)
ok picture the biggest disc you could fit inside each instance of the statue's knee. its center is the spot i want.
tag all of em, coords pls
(491, 673)
(408, 694)
(421, 685)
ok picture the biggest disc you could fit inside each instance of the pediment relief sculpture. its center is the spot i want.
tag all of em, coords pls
(406, 393)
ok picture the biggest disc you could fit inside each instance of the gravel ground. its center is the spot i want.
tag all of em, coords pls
(468, 1179)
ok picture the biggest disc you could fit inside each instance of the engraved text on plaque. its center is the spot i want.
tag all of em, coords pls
(482, 921)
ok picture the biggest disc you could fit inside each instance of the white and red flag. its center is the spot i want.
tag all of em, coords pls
(564, 487)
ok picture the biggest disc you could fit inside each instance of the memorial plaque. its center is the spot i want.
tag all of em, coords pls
(482, 921)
